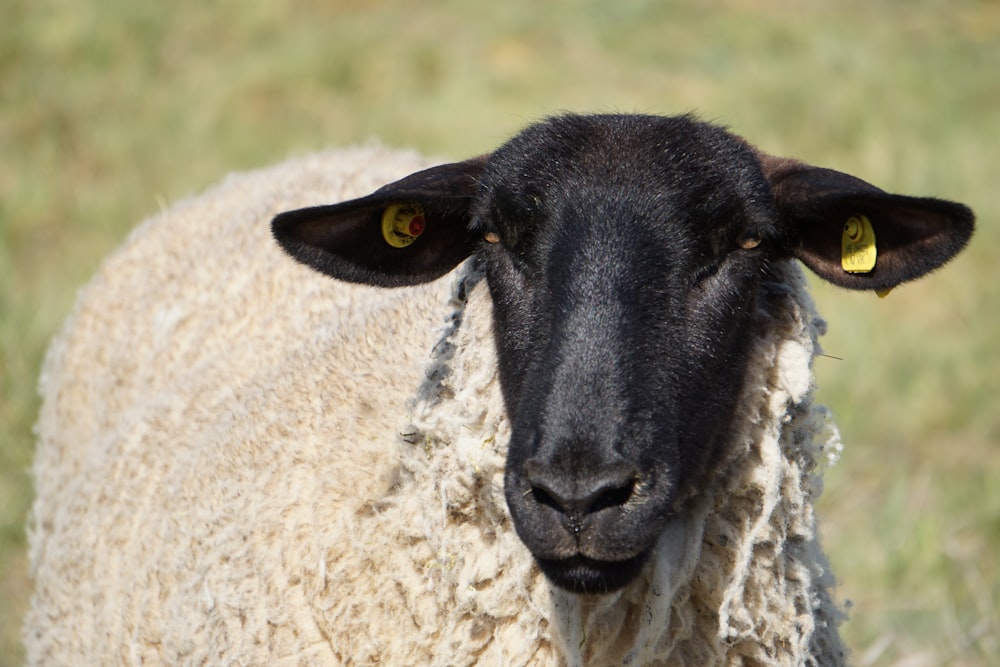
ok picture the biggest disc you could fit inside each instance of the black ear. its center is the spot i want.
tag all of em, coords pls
(408, 232)
(855, 235)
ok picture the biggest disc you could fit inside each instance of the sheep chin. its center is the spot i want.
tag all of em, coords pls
(587, 576)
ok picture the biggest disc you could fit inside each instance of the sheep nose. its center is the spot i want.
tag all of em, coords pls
(576, 496)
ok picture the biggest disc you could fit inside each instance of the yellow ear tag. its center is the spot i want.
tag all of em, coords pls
(857, 245)
(882, 293)
(402, 223)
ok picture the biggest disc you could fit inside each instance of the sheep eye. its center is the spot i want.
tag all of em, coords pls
(748, 241)
(491, 237)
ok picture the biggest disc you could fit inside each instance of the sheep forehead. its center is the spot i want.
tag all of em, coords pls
(662, 167)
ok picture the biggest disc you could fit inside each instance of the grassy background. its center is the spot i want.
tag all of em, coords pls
(109, 110)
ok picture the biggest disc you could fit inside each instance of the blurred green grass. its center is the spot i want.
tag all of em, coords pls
(110, 110)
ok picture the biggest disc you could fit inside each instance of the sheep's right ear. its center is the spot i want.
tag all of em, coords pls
(408, 232)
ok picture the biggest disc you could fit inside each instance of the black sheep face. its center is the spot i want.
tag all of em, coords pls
(623, 256)
(621, 324)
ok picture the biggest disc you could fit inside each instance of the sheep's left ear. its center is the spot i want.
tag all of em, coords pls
(855, 235)
(408, 232)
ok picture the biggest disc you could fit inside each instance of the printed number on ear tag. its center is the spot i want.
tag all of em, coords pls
(402, 223)
(857, 245)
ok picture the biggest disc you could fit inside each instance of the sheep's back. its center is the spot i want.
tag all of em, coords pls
(215, 416)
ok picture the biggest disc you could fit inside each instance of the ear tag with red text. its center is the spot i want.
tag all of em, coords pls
(857, 245)
(402, 223)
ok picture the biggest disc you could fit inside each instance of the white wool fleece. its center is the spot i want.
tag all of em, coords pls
(243, 462)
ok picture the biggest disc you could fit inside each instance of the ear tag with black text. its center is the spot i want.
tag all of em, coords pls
(857, 245)
(402, 223)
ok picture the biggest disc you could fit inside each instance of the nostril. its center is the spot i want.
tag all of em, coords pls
(543, 497)
(615, 496)
(610, 486)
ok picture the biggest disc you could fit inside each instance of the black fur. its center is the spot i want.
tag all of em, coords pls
(623, 255)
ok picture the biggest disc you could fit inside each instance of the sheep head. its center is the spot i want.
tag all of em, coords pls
(623, 255)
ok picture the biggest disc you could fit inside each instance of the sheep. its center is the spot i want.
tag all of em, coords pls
(580, 430)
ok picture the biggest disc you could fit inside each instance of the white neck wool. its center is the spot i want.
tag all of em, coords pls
(738, 575)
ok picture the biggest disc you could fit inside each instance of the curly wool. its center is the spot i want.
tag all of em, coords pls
(241, 461)
(738, 577)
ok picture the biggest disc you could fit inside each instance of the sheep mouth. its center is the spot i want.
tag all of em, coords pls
(587, 576)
